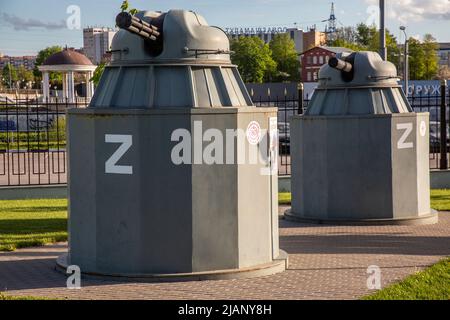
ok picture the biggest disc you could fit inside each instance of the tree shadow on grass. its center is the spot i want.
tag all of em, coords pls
(30, 226)
(31, 209)
(366, 244)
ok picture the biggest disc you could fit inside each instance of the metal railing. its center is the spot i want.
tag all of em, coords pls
(33, 135)
(33, 142)
(438, 105)
(287, 107)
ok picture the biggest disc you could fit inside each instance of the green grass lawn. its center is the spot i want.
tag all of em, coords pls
(6, 297)
(28, 223)
(440, 199)
(430, 284)
(284, 198)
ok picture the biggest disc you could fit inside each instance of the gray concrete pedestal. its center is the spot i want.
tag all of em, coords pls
(367, 169)
(134, 213)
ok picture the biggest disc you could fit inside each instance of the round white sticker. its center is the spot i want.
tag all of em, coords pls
(253, 133)
(423, 128)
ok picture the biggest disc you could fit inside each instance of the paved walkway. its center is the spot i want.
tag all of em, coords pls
(326, 262)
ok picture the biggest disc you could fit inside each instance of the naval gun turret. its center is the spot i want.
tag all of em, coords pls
(152, 193)
(359, 153)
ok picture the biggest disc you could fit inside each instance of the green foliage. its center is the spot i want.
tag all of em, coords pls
(53, 138)
(430, 284)
(424, 61)
(20, 74)
(25, 77)
(284, 198)
(431, 61)
(349, 34)
(9, 74)
(365, 34)
(41, 57)
(98, 73)
(57, 132)
(391, 44)
(125, 8)
(346, 44)
(254, 59)
(416, 58)
(440, 199)
(4, 297)
(286, 57)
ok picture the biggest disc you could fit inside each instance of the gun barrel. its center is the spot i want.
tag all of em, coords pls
(126, 21)
(340, 64)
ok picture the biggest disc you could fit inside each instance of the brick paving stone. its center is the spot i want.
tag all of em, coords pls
(326, 262)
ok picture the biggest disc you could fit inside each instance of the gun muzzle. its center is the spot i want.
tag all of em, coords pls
(341, 65)
(126, 21)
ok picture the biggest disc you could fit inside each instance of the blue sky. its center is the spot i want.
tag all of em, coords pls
(26, 26)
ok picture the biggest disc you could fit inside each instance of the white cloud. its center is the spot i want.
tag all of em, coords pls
(19, 23)
(416, 10)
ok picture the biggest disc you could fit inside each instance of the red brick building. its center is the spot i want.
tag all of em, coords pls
(313, 59)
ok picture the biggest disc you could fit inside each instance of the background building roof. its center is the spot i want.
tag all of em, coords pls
(67, 57)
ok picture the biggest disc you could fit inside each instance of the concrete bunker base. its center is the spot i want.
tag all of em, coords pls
(372, 169)
(428, 219)
(215, 217)
(278, 265)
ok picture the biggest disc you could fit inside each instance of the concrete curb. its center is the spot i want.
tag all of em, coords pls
(277, 266)
(423, 220)
(33, 192)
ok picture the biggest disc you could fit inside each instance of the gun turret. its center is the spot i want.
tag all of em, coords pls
(147, 31)
(345, 65)
(341, 65)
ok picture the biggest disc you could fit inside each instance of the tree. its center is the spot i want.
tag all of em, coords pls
(9, 75)
(253, 58)
(364, 34)
(391, 44)
(98, 73)
(416, 60)
(365, 37)
(41, 57)
(24, 75)
(443, 73)
(286, 57)
(350, 45)
(424, 61)
(431, 59)
(347, 34)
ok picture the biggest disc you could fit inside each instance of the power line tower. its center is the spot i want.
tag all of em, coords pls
(331, 28)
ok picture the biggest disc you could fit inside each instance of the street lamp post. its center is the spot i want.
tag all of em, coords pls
(383, 49)
(406, 66)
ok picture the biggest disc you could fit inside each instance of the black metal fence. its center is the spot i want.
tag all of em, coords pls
(438, 105)
(33, 142)
(33, 135)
